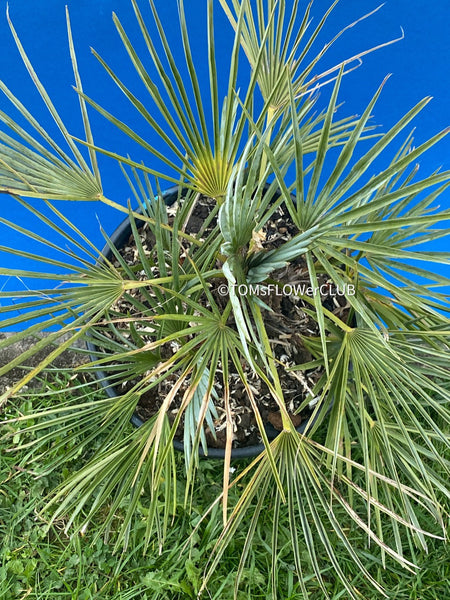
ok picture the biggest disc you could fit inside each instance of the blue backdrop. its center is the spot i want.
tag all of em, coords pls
(419, 64)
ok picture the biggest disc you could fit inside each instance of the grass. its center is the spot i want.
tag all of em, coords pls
(39, 561)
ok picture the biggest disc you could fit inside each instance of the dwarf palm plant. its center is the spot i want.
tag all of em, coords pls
(379, 405)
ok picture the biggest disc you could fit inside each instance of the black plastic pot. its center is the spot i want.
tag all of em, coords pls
(119, 238)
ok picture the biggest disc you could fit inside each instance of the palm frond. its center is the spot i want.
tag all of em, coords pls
(277, 45)
(27, 167)
(310, 490)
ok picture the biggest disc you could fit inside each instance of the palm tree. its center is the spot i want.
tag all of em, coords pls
(379, 407)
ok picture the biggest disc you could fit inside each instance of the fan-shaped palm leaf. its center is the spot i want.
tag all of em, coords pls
(27, 167)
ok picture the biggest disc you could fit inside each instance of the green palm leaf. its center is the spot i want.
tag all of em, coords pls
(28, 168)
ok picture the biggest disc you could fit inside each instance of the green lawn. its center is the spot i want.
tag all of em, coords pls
(42, 562)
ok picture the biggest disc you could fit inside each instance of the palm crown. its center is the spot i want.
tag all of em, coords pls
(379, 413)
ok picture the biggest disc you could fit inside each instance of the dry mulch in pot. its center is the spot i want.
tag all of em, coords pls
(287, 324)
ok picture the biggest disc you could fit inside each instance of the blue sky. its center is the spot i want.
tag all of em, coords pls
(418, 63)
